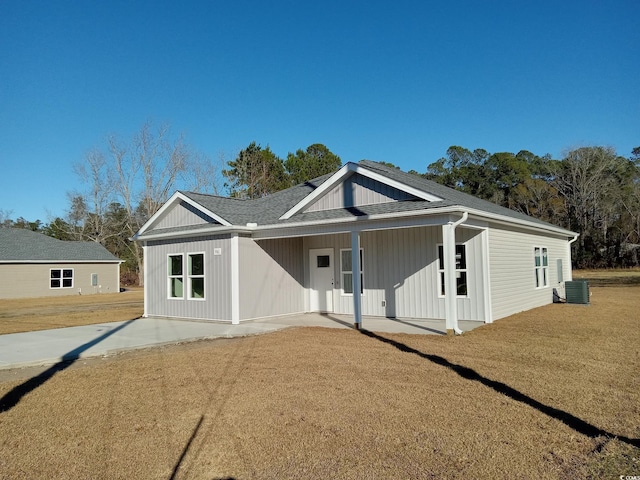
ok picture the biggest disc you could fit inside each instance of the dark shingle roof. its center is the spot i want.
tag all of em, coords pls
(450, 195)
(264, 211)
(19, 245)
(269, 209)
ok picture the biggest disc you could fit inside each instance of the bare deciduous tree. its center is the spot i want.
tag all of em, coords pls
(136, 175)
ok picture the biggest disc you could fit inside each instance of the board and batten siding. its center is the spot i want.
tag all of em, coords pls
(271, 277)
(217, 302)
(361, 190)
(30, 280)
(512, 270)
(182, 215)
(401, 272)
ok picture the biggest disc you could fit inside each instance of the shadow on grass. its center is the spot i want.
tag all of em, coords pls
(13, 397)
(571, 421)
(186, 448)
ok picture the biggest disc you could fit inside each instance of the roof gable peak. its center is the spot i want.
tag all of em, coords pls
(176, 199)
(348, 170)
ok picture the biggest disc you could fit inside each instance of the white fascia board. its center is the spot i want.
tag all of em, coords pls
(331, 182)
(476, 214)
(347, 170)
(395, 184)
(177, 197)
(215, 230)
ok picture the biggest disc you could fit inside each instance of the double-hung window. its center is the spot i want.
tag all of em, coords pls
(461, 271)
(189, 274)
(176, 276)
(541, 267)
(61, 278)
(346, 272)
(196, 276)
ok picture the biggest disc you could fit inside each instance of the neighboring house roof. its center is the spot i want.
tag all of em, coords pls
(24, 246)
(288, 206)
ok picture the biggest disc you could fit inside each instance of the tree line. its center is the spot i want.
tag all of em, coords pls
(591, 190)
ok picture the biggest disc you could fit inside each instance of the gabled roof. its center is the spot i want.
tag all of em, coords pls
(24, 246)
(348, 170)
(290, 206)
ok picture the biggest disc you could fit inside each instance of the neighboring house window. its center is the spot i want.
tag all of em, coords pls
(346, 272)
(541, 266)
(176, 276)
(196, 275)
(461, 271)
(94, 279)
(61, 278)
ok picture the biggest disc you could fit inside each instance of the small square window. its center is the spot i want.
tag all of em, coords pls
(323, 261)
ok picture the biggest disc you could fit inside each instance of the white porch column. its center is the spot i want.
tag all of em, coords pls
(145, 287)
(355, 274)
(450, 288)
(450, 284)
(235, 279)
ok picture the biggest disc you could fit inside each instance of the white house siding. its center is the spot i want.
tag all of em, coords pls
(401, 269)
(271, 277)
(217, 302)
(513, 287)
(28, 280)
(182, 215)
(364, 191)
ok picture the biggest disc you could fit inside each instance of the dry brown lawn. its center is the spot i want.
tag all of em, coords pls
(552, 393)
(31, 314)
(613, 276)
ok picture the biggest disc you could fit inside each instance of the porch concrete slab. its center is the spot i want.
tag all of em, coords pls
(374, 324)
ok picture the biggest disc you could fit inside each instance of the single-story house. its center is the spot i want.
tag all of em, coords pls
(35, 265)
(366, 240)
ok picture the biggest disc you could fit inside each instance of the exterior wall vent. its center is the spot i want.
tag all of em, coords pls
(577, 292)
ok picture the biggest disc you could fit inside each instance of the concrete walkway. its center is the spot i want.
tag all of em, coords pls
(46, 347)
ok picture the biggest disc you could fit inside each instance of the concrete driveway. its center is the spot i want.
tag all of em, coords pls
(46, 347)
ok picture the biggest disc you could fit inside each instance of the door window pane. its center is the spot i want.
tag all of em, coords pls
(322, 261)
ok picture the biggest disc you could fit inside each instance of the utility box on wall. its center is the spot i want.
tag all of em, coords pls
(577, 292)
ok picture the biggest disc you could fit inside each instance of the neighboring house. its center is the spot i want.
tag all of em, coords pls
(34, 265)
(226, 259)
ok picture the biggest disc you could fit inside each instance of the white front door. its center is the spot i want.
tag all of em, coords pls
(321, 280)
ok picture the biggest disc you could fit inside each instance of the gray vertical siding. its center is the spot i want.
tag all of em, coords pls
(217, 303)
(400, 268)
(513, 287)
(32, 280)
(182, 215)
(271, 277)
(364, 191)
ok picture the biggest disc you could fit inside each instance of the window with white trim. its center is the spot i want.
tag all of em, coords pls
(461, 271)
(196, 276)
(346, 272)
(175, 276)
(541, 266)
(61, 278)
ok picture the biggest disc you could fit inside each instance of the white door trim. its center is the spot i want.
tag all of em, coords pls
(321, 281)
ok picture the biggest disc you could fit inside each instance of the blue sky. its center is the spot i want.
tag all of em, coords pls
(394, 81)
